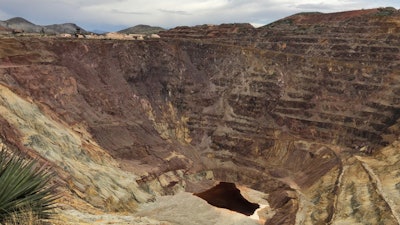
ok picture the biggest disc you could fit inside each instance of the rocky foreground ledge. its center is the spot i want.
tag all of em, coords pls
(301, 115)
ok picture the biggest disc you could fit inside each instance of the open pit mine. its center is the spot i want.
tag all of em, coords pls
(295, 122)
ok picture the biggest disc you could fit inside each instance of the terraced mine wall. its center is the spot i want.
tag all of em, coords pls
(303, 110)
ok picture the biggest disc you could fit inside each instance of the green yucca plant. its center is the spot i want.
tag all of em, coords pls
(23, 186)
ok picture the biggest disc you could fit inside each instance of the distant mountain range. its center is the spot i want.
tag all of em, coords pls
(141, 29)
(21, 24)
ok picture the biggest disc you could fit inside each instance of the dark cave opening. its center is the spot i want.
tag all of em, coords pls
(227, 195)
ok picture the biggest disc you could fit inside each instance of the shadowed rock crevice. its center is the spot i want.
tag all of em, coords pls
(227, 195)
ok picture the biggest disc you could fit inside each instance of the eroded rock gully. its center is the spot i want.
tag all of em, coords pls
(302, 114)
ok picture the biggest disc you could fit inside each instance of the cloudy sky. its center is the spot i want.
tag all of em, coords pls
(114, 15)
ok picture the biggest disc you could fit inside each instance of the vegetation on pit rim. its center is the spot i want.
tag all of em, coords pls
(387, 11)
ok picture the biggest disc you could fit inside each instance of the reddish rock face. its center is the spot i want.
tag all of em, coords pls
(275, 108)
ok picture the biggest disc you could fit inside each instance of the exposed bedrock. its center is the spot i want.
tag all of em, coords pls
(297, 110)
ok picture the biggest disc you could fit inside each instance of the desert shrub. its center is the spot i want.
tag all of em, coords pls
(24, 189)
(387, 11)
(25, 218)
